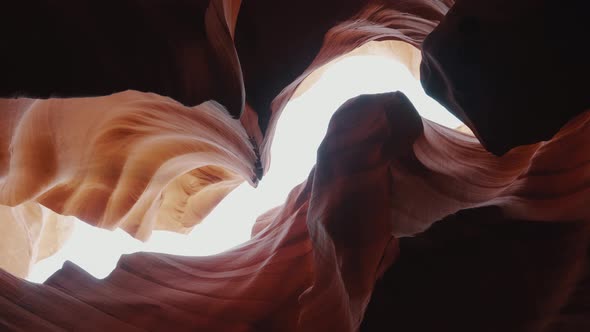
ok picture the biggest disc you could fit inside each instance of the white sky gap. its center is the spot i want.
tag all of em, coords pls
(300, 130)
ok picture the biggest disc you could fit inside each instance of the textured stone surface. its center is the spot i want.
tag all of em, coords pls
(402, 224)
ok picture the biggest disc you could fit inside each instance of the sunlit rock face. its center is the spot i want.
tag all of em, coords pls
(131, 160)
(402, 224)
(31, 232)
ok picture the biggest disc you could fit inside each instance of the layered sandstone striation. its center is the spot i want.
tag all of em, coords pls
(403, 223)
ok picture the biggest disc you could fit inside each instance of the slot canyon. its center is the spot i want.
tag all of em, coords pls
(144, 116)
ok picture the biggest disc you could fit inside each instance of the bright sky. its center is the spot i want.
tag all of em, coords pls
(293, 155)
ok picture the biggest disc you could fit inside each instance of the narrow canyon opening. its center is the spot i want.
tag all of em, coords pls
(299, 131)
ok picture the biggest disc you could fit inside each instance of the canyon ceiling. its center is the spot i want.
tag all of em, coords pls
(143, 115)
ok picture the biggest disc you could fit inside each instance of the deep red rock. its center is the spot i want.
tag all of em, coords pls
(402, 223)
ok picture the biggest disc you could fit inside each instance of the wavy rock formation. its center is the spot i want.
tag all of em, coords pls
(30, 233)
(313, 267)
(131, 160)
(134, 206)
(402, 223)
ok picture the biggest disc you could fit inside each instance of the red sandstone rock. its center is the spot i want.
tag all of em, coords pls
(509, 251)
